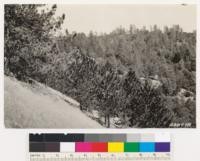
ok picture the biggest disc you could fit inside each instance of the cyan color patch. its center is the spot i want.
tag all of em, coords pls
(147, 147)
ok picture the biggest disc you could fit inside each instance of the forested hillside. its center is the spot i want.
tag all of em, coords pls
(144, 78)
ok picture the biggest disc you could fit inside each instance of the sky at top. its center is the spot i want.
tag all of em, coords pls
(103, 18)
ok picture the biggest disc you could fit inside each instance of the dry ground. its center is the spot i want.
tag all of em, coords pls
(38, 106)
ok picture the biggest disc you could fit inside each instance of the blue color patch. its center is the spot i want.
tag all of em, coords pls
(147, 147)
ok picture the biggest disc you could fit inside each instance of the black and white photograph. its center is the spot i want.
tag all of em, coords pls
(100, 66)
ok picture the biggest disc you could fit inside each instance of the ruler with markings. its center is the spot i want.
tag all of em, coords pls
(99, 156)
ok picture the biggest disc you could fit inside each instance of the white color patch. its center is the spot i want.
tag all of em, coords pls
(67, 147)
(162, 137)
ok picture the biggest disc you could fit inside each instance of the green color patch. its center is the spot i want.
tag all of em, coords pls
(131, 147)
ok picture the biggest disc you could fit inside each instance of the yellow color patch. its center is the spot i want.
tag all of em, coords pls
(115, 147)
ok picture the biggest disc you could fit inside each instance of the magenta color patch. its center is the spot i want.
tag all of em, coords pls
(83, 147)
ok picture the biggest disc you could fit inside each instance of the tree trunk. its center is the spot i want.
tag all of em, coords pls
(81, 107)
(108, 116)
(105, 120)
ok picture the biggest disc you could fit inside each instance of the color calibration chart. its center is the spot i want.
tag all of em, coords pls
(100, 147)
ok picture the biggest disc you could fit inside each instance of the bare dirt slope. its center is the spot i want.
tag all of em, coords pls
(38, 106)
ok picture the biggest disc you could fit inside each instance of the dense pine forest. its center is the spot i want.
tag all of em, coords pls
(136, 77)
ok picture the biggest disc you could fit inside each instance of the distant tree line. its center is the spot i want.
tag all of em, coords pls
(104, 72)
